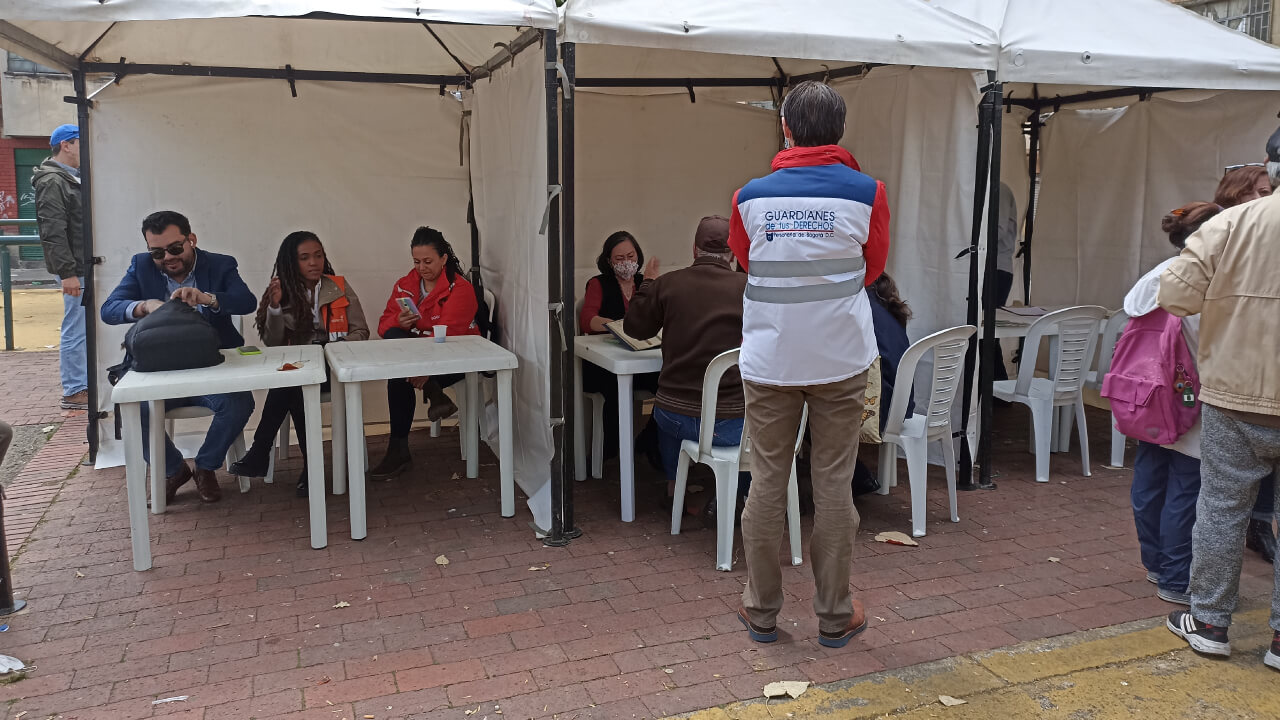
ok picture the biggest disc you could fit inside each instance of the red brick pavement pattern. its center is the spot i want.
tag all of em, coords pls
(30, 388)
(36, 487)
(627, 621)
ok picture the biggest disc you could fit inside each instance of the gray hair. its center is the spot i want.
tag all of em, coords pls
(726, 256)
(814, 113)
(1273, 172)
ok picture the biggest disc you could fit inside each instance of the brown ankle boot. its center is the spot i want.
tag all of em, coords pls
(207, 486)
(441, 406)
(177, 480)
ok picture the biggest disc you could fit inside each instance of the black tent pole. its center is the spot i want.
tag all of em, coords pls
(568, 58)
(90, 262)
(986, 368)
(1029, 228)
(964, 480)
(561, 461)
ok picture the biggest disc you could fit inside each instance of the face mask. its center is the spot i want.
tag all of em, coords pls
(626, 269)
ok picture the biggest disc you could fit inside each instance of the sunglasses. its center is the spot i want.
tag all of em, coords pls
(175, 250)
(1229, 168)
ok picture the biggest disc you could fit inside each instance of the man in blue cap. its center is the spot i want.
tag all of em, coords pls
(57, 187)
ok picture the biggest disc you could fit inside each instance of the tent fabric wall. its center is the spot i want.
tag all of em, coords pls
(360, 165)
(509, 170)
(655, 165)
(914, 130)
(1109, 176)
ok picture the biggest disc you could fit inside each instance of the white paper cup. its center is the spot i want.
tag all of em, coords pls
(439, 332)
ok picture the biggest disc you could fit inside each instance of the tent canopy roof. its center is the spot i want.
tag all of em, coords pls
(365, 36)
(892, 32)
(1120, 43)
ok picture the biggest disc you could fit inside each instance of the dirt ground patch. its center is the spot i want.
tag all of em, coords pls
(27, 441)
(37, 318)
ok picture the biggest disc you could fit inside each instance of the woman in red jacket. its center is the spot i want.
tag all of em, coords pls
(440, 295)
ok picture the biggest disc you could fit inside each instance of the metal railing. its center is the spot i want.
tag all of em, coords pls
(6, 281)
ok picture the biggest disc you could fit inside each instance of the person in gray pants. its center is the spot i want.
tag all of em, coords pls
(1226, 273)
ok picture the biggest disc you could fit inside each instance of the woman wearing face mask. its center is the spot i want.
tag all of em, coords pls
(439, 294)
(1240, 185)
(305, 303)
(606, 299)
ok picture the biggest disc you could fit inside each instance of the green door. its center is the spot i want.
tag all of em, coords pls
(24, 162)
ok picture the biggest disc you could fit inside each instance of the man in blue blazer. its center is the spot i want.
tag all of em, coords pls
(173, 268)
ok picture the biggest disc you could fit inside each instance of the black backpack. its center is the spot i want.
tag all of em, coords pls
(175, 336)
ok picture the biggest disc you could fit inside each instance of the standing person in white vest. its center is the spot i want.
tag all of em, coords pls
(810, 236)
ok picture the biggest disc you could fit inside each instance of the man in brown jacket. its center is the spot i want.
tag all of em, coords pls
(699, 311)
(1229, 273)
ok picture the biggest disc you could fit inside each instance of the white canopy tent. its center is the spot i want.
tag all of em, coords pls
(922, 147)
(257, 118)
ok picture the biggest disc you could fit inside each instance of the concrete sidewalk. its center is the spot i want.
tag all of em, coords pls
(1135, 670)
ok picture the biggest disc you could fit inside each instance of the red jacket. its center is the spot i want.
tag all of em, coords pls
(452, 305)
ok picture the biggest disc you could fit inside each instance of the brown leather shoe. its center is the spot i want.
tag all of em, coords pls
(207, 486)
(840, 638)
(177, 480)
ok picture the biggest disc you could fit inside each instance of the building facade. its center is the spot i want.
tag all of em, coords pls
(1252, 17)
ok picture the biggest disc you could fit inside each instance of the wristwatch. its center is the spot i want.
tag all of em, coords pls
(213, 301)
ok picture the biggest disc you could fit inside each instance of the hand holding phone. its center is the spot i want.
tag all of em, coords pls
(408, 313)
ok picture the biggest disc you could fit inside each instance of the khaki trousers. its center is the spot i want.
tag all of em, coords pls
(773, 421)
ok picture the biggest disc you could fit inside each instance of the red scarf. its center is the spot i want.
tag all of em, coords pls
(816, 155)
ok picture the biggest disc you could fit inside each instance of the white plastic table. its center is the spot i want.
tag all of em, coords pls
(607, 352)
(237, 373)
(359, 362)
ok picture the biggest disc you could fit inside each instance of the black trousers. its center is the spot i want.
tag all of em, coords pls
(402, 399)
(282, 402)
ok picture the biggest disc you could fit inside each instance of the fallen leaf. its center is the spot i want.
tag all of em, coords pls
(79, 574)
(442, 560)
(454, 477)
(668, 671)
(793, 688)
(950, 701)
(48, 428)
(342, 604)
(324, 680)
(896, 538)
(1054, 559)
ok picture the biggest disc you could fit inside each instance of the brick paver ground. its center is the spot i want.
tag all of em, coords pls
(30, 388)
(242, 616)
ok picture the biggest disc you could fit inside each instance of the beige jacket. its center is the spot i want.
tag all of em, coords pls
(1230, 274)
(278, 323)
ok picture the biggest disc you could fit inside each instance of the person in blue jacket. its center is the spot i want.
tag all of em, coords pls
(173, 268)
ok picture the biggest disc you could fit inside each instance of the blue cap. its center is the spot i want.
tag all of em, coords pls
(63, 133)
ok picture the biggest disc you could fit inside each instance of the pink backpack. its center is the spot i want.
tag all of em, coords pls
(1153, 385)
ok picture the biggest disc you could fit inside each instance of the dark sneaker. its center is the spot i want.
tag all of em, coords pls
(1173, 596)
(396, 461)
(441, 409)
(1272, 658)
(254, 464)
(301, 490)
(1153, 578)
(757, 633)
(1202, 637)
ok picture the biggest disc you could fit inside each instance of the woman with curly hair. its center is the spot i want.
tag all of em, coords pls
(305, 303)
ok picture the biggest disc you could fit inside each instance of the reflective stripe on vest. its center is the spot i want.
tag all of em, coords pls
(795, 269)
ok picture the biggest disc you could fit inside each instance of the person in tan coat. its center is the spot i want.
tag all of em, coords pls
(1229, 273)
(305, 303)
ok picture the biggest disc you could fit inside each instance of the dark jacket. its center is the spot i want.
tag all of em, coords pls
(214, 273)
(59, 219)
(699, 311)
(892, 341)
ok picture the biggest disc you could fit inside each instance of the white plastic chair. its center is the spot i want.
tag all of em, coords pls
(726, 462)
(1077, 338)
(1110, 334)
(192, 412)
(913, 434)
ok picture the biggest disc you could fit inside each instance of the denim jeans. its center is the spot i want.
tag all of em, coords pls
(674, 427)
(72, 357)
(230, 413)
(1166, 485)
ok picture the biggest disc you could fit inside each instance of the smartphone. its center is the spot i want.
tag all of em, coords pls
(407, 305)
(249, 350)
